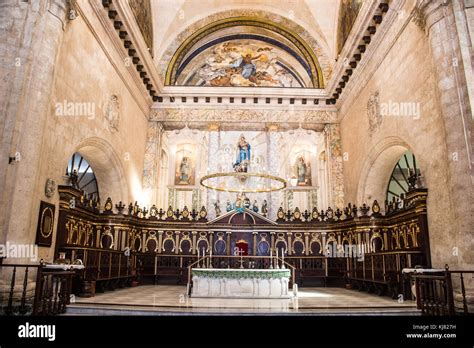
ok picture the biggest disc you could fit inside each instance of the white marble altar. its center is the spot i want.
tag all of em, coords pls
(240, 283)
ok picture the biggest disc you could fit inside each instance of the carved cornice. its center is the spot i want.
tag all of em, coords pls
(99, 24)
(395, 22)
(263, 117)
(428, 12)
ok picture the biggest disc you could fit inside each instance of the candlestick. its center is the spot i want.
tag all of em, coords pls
(271, 259)
(276, 259)
(198, 265)
(203, 257)
(282, 258)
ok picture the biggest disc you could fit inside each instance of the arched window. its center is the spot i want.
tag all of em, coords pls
(404, 168)
(85, 180)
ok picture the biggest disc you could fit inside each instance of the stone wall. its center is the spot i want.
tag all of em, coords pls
(373, 141)
(78, 103)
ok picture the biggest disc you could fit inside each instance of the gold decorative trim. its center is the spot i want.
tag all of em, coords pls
(246, 175)
(305, 49)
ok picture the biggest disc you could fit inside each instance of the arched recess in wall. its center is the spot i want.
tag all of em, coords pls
(292, 38)
(378, 168)
(85, 176)
(107, 168)
(398, 184)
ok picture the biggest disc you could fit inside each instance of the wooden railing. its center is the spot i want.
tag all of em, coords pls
(33, 290)
(119, 249)
(435, 292)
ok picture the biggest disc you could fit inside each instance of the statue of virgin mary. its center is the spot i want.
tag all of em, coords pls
(243, 155)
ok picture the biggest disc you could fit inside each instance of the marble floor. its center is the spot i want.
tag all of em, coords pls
(173, 299)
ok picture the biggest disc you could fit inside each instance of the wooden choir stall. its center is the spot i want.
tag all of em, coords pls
(358, 247)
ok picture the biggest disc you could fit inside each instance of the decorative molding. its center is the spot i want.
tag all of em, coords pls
(387, 34)
(428, 12)
(243, 115)
(296, 29)
(99, 24)
(373, 112)
(354, 48)
(50, 188)
(134, 34)
(112, 113)
(336, 164)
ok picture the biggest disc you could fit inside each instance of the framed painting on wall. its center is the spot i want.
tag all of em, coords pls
(44, 229)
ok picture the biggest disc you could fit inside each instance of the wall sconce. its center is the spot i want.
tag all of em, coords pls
(15, 158)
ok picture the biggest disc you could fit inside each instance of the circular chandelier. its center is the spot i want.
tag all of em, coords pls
(243, 182)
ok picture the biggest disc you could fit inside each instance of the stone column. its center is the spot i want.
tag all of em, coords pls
(336, 175)
(213, 167)
(273, 160)
(34, 31)
(437, 19)
(151, 166)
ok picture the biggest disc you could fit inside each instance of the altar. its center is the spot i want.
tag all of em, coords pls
(240, 283)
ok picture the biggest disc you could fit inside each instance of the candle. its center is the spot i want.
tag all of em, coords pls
(203, 257)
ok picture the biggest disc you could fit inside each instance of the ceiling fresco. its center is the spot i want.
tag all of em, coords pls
(244, 61)
(245, 51)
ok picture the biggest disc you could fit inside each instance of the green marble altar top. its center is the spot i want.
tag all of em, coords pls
(235, 273)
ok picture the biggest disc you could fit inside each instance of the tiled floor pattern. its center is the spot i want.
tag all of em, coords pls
(173, 298)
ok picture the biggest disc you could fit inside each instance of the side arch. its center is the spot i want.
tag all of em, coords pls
(107, 167)
(378, 167)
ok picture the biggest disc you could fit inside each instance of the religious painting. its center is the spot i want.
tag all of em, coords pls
(185, 165)
(44, 229)
(302, 170)
(348, 11)
(142, 12)
(245, 63)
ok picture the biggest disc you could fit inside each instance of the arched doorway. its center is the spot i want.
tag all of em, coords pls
(106, 166)
(82, 176)
(378, 168)
(398, 184)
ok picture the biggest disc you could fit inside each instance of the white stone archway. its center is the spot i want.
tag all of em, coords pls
(107, 168)
(377, 169)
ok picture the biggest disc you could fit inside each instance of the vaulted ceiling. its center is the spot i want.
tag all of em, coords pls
(291, 43)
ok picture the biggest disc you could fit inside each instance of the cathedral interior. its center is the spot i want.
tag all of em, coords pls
(154, 151)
